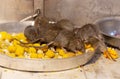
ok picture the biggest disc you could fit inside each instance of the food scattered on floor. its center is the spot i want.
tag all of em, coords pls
(112, 52)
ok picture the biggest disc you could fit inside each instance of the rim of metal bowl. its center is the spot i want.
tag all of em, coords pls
(107, 18)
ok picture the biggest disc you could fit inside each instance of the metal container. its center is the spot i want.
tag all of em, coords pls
(39, 64)
(110, 27)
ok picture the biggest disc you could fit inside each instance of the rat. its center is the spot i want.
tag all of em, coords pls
(65, 24)
(90, 34)
(31, 33)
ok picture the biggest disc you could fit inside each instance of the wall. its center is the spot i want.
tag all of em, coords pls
(15, 10)
(81, 11)
(78, 11)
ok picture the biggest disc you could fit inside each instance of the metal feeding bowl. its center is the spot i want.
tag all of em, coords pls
(110, 28)
(39, 64)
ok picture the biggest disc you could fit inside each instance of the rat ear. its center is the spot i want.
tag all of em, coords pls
(38, 13)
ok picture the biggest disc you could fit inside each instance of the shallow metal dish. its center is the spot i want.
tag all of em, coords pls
(39, 64)
(110, 27)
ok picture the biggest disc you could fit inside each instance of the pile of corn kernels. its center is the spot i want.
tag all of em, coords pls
(10, 45)
(112, 53)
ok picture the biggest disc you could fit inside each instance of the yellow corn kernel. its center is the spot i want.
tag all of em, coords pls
(11, 48)
(39, 51)
(21, 56)
(90, 49)
(3, 35)
(9, 37)
(33, 55)
(20, 36)
(114, 56)
(15, 42)
(112, 51)
(19, 51)
(43, 44)
(29, 44)
(31, 50)
(105, 55)
(87, 46)
(40, 55)
(46, 57)
(60, 51)
(26, 49)
(50, 53)
(79, 53)
(36, 44)
(68, 54)
(56, 55)
(14, 35)
(24, 41)
(44, 47)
